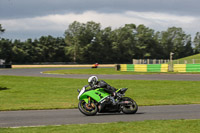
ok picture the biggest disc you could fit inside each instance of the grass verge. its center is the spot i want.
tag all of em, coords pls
(25, 93)
(188, 59)
(159, 126)
(109, 71)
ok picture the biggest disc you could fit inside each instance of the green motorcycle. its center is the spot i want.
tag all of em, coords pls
(93, 101)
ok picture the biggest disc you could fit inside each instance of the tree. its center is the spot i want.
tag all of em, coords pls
(175, 40)
(123, 43)
(72, 41)
(19, 52)
(89, 43)
(6, 50)
(78, 38)
(104, 51)
(196, 42)
(146, 44)
(1, 29)
(51, 49)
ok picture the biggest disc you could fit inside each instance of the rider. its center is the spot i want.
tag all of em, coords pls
(94, 84)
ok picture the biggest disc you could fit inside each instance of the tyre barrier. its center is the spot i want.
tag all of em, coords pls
(186, 67)
(144, 67)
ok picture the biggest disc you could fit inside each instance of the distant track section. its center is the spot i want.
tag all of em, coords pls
(37, 72)
(72, 66)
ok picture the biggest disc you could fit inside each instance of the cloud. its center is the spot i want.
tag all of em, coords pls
(56, 24)
(32, 18)
(34, 8)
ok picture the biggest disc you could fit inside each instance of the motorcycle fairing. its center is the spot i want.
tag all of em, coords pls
(98, 95)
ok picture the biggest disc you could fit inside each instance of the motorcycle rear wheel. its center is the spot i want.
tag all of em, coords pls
(129, 109)
(87, 109)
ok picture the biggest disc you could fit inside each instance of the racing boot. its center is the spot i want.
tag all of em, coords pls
(113, 100)
(113, 97)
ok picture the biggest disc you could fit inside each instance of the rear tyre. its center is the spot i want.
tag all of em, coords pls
(87, 109)
(129, 109)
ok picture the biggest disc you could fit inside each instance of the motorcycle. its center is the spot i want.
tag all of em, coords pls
(93, 101)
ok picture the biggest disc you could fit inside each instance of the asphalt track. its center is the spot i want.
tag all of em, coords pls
(37, 72)
(73, 116)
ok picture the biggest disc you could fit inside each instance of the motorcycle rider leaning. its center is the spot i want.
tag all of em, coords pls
(94, 84)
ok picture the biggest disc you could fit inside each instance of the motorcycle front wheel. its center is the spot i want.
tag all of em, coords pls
(87, 109)
(129, 109)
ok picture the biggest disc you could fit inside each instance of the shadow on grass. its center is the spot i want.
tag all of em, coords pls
(3, 88)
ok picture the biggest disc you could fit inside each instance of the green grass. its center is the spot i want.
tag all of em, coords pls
(109, 71)
(196, 56)
(159, 126)
(188, 59)
(24, 93)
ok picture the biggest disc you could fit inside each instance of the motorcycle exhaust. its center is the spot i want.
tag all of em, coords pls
(124, 103)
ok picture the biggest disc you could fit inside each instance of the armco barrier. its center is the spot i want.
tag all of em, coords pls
(144, 67)
(186, 67)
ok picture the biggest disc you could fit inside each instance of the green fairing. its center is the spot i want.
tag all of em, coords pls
(97, 95)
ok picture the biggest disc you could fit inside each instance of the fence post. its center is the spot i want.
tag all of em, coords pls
(185, 61)
(171, 62)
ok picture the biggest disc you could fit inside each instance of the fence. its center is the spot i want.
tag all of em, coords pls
(150, 61)
(188, 61)
(166, 61)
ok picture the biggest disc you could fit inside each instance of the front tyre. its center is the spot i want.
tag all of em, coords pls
(129, 109)
(87, 109)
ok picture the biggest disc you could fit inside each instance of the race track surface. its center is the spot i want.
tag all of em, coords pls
(37, 72)
(73, 116)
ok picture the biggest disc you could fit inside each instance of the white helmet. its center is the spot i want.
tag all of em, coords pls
(92, 81)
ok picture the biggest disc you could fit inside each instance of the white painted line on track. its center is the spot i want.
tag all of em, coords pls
(52, 73)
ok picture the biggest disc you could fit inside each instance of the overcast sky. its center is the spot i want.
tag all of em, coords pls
(25, 19)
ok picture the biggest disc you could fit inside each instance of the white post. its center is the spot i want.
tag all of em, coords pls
(171, 63)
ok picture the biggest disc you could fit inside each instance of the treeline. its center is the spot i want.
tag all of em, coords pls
(90, 43)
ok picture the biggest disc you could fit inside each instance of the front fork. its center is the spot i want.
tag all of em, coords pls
(89, 100)
(90, 103)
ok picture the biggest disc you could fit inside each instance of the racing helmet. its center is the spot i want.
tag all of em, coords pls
(92, 81)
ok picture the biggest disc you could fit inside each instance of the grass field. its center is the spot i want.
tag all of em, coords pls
(24, 93)
(189, 59)
(159, 126)
(109, 71)
(196, 56)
